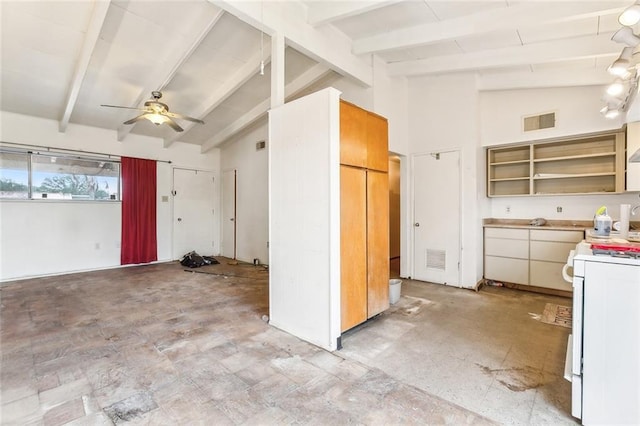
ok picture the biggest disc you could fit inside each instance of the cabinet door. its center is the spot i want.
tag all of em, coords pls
(551, 251)
(377, 142)
(377, 242)
(506, 248)
(548, 275)
(353, 135)
(353, 246)
(506, 269)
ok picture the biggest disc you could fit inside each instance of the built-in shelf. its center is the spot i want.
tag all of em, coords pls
(590, 164)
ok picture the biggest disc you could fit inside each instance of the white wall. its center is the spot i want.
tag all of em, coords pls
(304, 218)
(577, 111)
(574, 207)
(390, 99)
(252, 193)
(67, 233)
(443, 114)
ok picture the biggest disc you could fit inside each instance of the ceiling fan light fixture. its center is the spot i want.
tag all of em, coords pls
(156, 119)
(626, 36)
(630, 16)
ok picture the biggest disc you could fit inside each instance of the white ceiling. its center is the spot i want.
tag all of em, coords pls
(62, 59)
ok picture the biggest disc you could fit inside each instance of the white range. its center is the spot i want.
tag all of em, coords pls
(603, 354)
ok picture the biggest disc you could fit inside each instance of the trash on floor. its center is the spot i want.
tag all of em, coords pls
(194, 260)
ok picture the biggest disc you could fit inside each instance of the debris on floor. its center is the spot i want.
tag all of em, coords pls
(194, 260)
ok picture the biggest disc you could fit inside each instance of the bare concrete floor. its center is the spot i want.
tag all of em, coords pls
(157, 345)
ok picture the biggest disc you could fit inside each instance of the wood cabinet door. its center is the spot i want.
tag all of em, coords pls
(377, 242)
(377, 142)
(353, 246)
(353, 135)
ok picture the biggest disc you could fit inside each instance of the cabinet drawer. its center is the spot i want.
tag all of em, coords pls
(505, 269)
(510, 233)
(553, 235)
(551, 251)
(548, 275)
(507, 248)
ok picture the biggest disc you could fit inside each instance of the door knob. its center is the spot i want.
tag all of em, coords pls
(416, 224)
(232, 219)
(179, 219)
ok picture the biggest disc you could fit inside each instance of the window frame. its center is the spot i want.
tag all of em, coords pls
(75, 155)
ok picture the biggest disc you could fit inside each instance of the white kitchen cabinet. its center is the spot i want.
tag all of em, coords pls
(506, 255)
(548, 254)
(529, 256)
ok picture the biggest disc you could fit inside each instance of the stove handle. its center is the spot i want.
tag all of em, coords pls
(568, 278)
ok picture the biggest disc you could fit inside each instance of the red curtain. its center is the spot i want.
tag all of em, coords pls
(139, 241)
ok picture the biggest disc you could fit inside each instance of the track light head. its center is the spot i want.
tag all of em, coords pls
(626, 36)
(630, 16)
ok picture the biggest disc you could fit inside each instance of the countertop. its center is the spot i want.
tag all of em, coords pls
(564, 225)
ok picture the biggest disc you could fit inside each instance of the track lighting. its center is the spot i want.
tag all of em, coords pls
(609, 112)
(626, 36)
(631, 15)
(620, 67)
(616, 88)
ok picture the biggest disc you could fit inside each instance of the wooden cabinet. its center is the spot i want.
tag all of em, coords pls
(363, 138)
(580, 165)
(377, 242)
(353, 246)
(525, 256)
(364, 215)
(353, 135)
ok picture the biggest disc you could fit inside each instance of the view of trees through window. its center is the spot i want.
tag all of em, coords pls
(58, 177)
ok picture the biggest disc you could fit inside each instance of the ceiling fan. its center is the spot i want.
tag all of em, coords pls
(157, 113)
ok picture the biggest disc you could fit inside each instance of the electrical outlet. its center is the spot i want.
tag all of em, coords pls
(507, 209)
(559, 209)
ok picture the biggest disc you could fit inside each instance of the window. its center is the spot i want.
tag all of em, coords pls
(58, 176)
(14, 175)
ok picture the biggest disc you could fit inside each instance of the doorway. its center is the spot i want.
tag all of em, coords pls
(436, 220)
(394, 216)
(193, 212)
(229, 223)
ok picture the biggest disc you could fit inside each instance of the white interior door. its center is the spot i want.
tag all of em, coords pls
(229, 213)
(193, 212)
(436, 237)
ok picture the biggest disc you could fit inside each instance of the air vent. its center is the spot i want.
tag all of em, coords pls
(260, 145)
(538, 122)
(436, 259)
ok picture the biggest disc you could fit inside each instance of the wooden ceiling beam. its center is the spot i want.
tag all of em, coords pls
(303, 81)
(539, 53)
(326, 12)
(522, 15)
(98, 16)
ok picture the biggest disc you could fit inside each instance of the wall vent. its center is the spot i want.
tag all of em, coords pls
(538, 122)
(260, 145)
(436, 259)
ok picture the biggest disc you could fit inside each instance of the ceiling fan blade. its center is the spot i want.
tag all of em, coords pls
(184, 117)
(123, 107)
(135, 119)
(173, 125)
